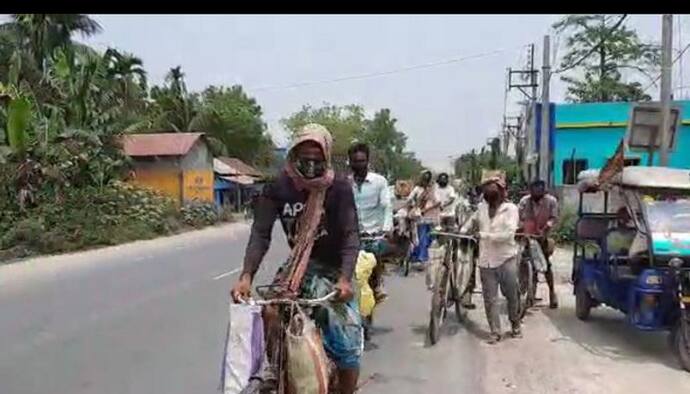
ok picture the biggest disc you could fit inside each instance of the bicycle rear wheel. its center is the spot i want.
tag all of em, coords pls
(406, 259)
(526, 284)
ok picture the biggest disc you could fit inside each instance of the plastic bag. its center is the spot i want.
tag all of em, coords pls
(244, 347)
(365, 265)
(537, 256)
(307, 363)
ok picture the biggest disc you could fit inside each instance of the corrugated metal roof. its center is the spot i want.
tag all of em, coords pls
(222, 169)
(240, 179)
(159, 144)
(238, 167)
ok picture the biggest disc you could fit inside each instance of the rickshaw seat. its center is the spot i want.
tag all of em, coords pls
(592, 228)
(623, 270)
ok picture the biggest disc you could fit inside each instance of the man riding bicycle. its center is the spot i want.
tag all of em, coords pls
(538, 215)
(374, 209)
(318, 215)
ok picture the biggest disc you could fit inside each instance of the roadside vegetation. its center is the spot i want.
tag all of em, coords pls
(63, 108)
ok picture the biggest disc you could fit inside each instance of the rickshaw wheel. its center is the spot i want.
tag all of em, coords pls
(681, 347)
(583, 301)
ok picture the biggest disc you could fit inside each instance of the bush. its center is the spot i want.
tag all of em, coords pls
(87, 217)
(199, 214)
(565, 229)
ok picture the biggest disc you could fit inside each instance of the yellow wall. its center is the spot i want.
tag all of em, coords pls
(168, 182)
(197, 185)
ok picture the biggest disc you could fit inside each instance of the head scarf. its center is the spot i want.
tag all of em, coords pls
(308, 222)
(497, 177)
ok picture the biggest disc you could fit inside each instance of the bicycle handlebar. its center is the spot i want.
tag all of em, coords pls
(300, 301)
(455, 235)
(372, 237)
(531, 236)
(475, 238)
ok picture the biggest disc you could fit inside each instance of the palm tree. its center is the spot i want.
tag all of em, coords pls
(127, 72)
(41, 34)
(173, 107)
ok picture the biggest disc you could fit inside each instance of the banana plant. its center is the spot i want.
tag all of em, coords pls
(18, 117)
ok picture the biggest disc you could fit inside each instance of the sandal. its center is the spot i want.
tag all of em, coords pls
(494, 338)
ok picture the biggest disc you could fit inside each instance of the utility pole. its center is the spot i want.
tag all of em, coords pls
(666, 69)
(527, 85)
(533, 72)
(544, 151)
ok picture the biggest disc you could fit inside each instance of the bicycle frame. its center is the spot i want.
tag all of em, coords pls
(286, 308)
(446, 286)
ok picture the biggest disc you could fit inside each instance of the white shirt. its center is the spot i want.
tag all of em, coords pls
(444, 195)
(497, 235)
(374, 204)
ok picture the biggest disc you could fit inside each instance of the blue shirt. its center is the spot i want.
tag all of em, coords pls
(374, 205)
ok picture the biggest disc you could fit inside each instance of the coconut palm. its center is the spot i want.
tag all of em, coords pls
(128, 74)
(41, 34)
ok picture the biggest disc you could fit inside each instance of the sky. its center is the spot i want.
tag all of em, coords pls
(445, 110)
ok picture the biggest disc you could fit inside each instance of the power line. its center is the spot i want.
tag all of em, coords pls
(383, 73)
(680, 55)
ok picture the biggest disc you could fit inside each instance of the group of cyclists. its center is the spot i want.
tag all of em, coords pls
(325, 215)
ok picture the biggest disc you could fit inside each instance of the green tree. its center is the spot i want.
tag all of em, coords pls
(232, 121)
(388, 147)
(345, 124)
(348, 124)
(601, 48)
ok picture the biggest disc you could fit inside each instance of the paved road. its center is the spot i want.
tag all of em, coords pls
(150, 318)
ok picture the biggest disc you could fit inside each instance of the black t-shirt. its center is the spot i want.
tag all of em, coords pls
(337, 239)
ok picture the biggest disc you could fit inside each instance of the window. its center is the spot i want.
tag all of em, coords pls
(571, 168)
(632, 161)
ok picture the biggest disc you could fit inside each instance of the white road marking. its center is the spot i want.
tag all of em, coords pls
(223, 275)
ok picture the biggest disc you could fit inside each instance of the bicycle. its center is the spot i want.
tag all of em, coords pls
(371, 243)
(451, 282)
(529, 267)
(277, 380)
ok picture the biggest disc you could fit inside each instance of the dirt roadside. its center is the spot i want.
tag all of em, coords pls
(561, 354)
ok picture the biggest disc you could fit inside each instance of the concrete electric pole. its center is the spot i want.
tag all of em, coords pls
(666, 70)
(544, 151)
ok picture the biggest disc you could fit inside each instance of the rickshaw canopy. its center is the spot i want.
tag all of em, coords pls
(638, 177)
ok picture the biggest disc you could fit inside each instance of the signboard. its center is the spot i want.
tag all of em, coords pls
(197, 185)
(644, 125)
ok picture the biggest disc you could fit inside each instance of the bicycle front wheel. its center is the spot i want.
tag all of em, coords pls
(458, 280)
(439, 299)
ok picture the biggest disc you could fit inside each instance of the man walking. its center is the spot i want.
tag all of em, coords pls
(496, 222)
(447, 198)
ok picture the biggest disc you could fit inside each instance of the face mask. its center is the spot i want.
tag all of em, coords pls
(359, 170)
(311, 169)
(491, 195)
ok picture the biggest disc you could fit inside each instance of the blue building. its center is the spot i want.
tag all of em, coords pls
(585, 135)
